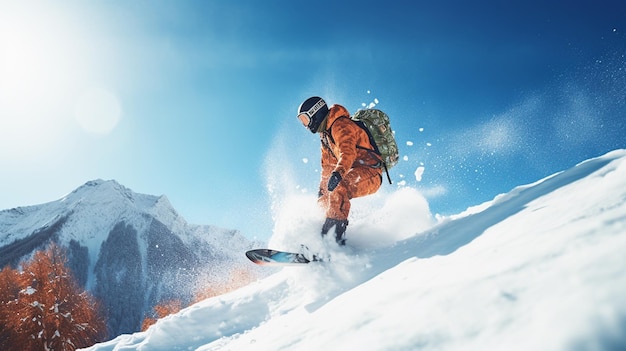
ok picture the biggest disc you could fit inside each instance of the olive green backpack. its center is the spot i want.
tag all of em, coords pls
(376, 124)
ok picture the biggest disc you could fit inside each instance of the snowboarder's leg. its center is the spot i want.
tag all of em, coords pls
(362, 181)
(340, 229)
(357, 182)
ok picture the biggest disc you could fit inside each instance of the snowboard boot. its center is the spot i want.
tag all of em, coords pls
(309, 255)
(340, 229)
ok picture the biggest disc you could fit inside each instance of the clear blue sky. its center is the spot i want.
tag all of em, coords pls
(196, 99)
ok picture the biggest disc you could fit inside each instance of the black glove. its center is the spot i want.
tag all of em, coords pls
(334, 180)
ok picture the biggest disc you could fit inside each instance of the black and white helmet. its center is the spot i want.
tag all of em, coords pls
(312, 112)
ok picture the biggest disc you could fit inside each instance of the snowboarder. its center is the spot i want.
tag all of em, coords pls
(350, 168)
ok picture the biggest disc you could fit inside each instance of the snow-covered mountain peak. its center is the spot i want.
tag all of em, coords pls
(108, 191)
(107, 202)
(163, 209)
(107, 228)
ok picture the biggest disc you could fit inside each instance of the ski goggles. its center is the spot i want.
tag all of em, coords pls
(306, 116)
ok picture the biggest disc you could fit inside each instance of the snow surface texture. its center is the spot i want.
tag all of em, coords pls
(540, 268)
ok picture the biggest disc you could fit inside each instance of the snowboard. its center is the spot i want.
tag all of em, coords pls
(268, 257)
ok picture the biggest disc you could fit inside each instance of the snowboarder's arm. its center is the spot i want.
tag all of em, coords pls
(344, 132)
(328, 163)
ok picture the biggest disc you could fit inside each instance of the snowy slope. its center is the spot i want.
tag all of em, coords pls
(540, 268)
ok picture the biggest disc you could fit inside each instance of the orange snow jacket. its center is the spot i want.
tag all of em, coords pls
(345, 145)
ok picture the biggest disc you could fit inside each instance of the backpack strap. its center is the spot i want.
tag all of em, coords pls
(375, 147)
(327, 137)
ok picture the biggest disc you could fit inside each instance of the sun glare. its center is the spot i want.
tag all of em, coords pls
(39, 61)
(98, 111)
(47, 59)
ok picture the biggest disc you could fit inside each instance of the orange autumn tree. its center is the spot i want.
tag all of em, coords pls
(51, 312)
(9, 290)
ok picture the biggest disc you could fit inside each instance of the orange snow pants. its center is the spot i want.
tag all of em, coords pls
(357, 182)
